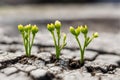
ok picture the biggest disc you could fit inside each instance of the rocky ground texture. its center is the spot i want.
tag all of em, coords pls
(102, 57)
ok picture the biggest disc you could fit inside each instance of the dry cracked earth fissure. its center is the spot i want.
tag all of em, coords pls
(42, 65)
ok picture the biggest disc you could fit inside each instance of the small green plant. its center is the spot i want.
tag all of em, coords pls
(28, 39)
(84, 30)
(55, 30)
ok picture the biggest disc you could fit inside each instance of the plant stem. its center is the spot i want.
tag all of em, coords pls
(58, 34)
(81, 50)
(56, 46)
(32, 43)
(82, 57)
(57, 52)
(25, 43)
(89, 41)
(29, 43)
(27, 47)
(53, 35)
(63, 45)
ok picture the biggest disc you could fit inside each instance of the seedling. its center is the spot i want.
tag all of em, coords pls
(56, 34)
(84, 30)
(28, 39)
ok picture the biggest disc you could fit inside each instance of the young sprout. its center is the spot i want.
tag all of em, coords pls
(28, 39)
(84, 30)
(55, 29)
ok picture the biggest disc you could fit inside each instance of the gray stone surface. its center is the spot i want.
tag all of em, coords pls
(110, 77)
(55, 70)
(19, 76)
(38, 73)
(9, 70)
(78, 75)
(107, 59)
(16, 76)
(26, 68)
(44, 55)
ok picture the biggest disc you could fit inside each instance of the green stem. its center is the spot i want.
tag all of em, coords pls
(89, 41)
(32, 43)
(85, 42)
(82, 51)
(63, 45)
(56, 46)
(58, 33)
(26, 47)
(82, 57)
(53, 35)
(29, 52)
(57, 52)
(23, 38)
(25, 43)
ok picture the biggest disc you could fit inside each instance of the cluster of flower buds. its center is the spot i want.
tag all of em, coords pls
(56, 27)
(84, 30)
(26, 32)
(51, 27)
(27, 28)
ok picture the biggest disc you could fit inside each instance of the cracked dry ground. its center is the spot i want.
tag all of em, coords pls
(102, 59)
(14, 65)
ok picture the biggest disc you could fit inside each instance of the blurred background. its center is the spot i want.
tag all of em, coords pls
(98, 14)
(101, 16)
(16, 2)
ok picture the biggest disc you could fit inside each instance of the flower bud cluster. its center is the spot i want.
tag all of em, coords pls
(28, 28)
(28, 40)
(81, 29)
(57, 25)
(54, 28)
(84, 30)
